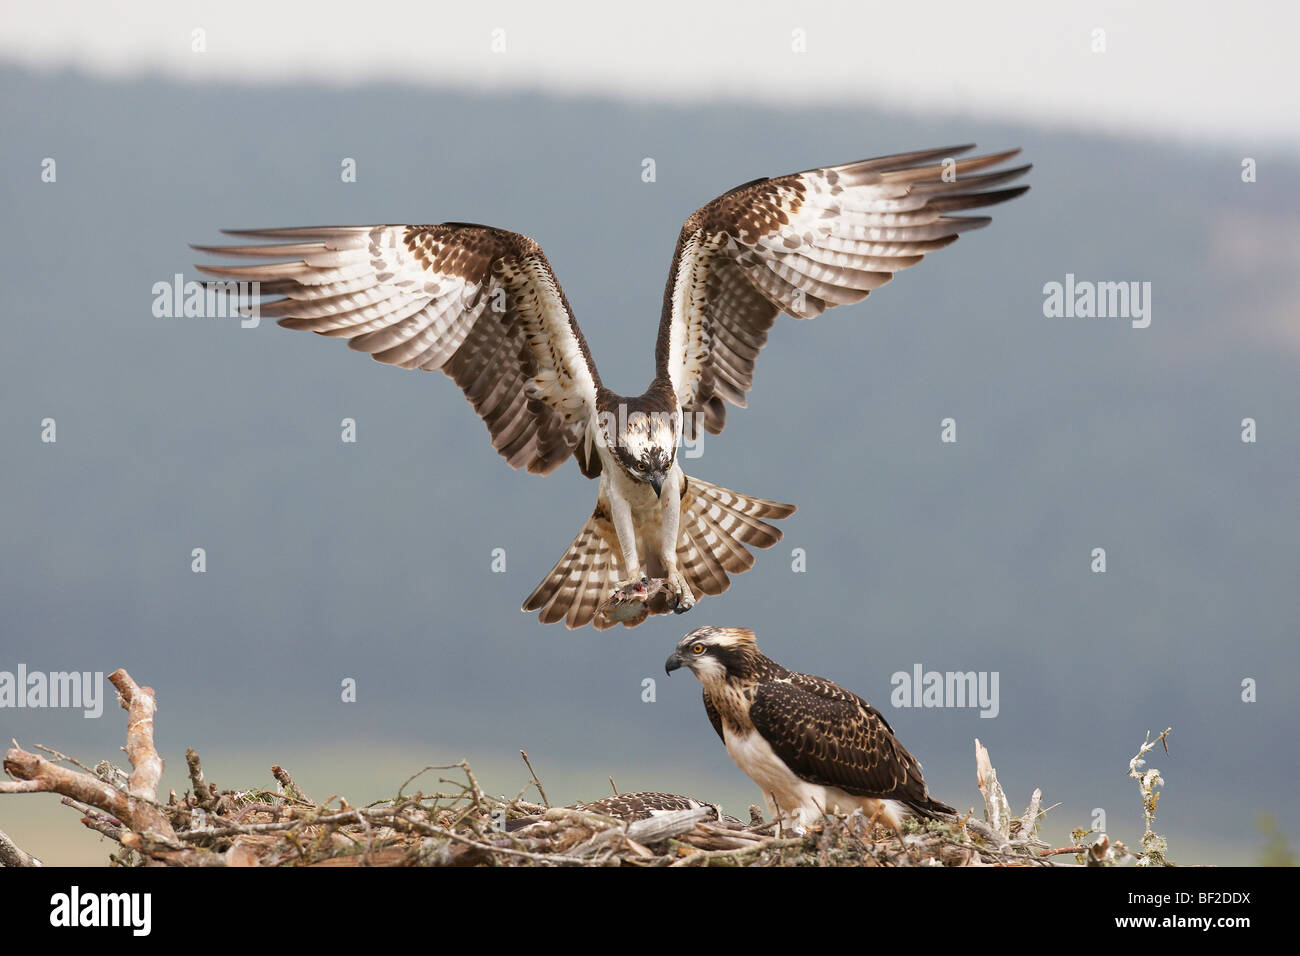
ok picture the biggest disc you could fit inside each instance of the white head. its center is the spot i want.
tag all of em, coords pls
(644, 443)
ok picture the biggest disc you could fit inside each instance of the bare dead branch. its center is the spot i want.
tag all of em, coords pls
(1153, 844)
(140, 703)
(54, 754)
(537, 783)
(13, 855)
(36, 774)
(202, 795)
(996, 810)
(1065, 849)
(291, 789)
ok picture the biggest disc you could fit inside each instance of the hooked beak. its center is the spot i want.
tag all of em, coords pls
(657, 484)
(673, 663)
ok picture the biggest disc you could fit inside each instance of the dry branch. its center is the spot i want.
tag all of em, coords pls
(291, 789)
(1153, 845)
(528, 763)
(202, 795)
(996, 811)
(13, 855)
(140, 705)
(36, 775)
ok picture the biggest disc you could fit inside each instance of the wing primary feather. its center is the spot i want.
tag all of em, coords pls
(413, 297)
(801, 244)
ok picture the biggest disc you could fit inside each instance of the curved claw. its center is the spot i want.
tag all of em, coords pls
(685, 600)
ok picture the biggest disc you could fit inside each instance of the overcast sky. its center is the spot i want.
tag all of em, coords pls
(1184, 70)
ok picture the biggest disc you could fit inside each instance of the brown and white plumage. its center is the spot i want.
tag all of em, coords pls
(645, 804)
(810, 745)
(800, 244)
(478, 303)
(637, 805)
(482, 305)
(717, 525)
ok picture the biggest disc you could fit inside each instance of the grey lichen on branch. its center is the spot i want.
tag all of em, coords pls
(1154, 846)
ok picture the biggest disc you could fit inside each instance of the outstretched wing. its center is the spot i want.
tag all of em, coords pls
(479, 303)
(801, 244)
(830, 736)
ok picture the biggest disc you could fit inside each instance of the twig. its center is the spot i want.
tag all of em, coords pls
(422, 770)
(536, 782)
(291, 789)
(109, 827)
(245, 829)
(427, 830)
(707, 856)
(475, 790)
(1064, 849)
(64, 757)
(37, 775)
(1153, 845)
(202, 795)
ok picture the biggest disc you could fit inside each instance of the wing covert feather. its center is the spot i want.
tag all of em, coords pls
(801, 244)
(478, 303)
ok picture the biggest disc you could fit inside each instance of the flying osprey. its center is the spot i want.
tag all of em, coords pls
(482, 305)
(811, 746)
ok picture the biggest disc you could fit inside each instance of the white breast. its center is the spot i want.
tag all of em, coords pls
(799, 803)
(647, 507)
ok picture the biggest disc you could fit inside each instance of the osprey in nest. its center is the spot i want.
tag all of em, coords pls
(482, 305)
(812, 747)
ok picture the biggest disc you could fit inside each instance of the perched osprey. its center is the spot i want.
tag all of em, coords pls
(642, 805)
(811, 746)
(482, 305)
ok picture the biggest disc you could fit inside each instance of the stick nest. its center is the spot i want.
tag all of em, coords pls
(461, 825)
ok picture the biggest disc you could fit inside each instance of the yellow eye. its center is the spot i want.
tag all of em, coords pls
(697, 649)
(640, 466)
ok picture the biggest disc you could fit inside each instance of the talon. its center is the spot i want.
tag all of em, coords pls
(685, 600)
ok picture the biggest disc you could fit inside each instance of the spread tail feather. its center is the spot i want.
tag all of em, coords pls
(715, 528)
(586, 575)
(716, 525)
